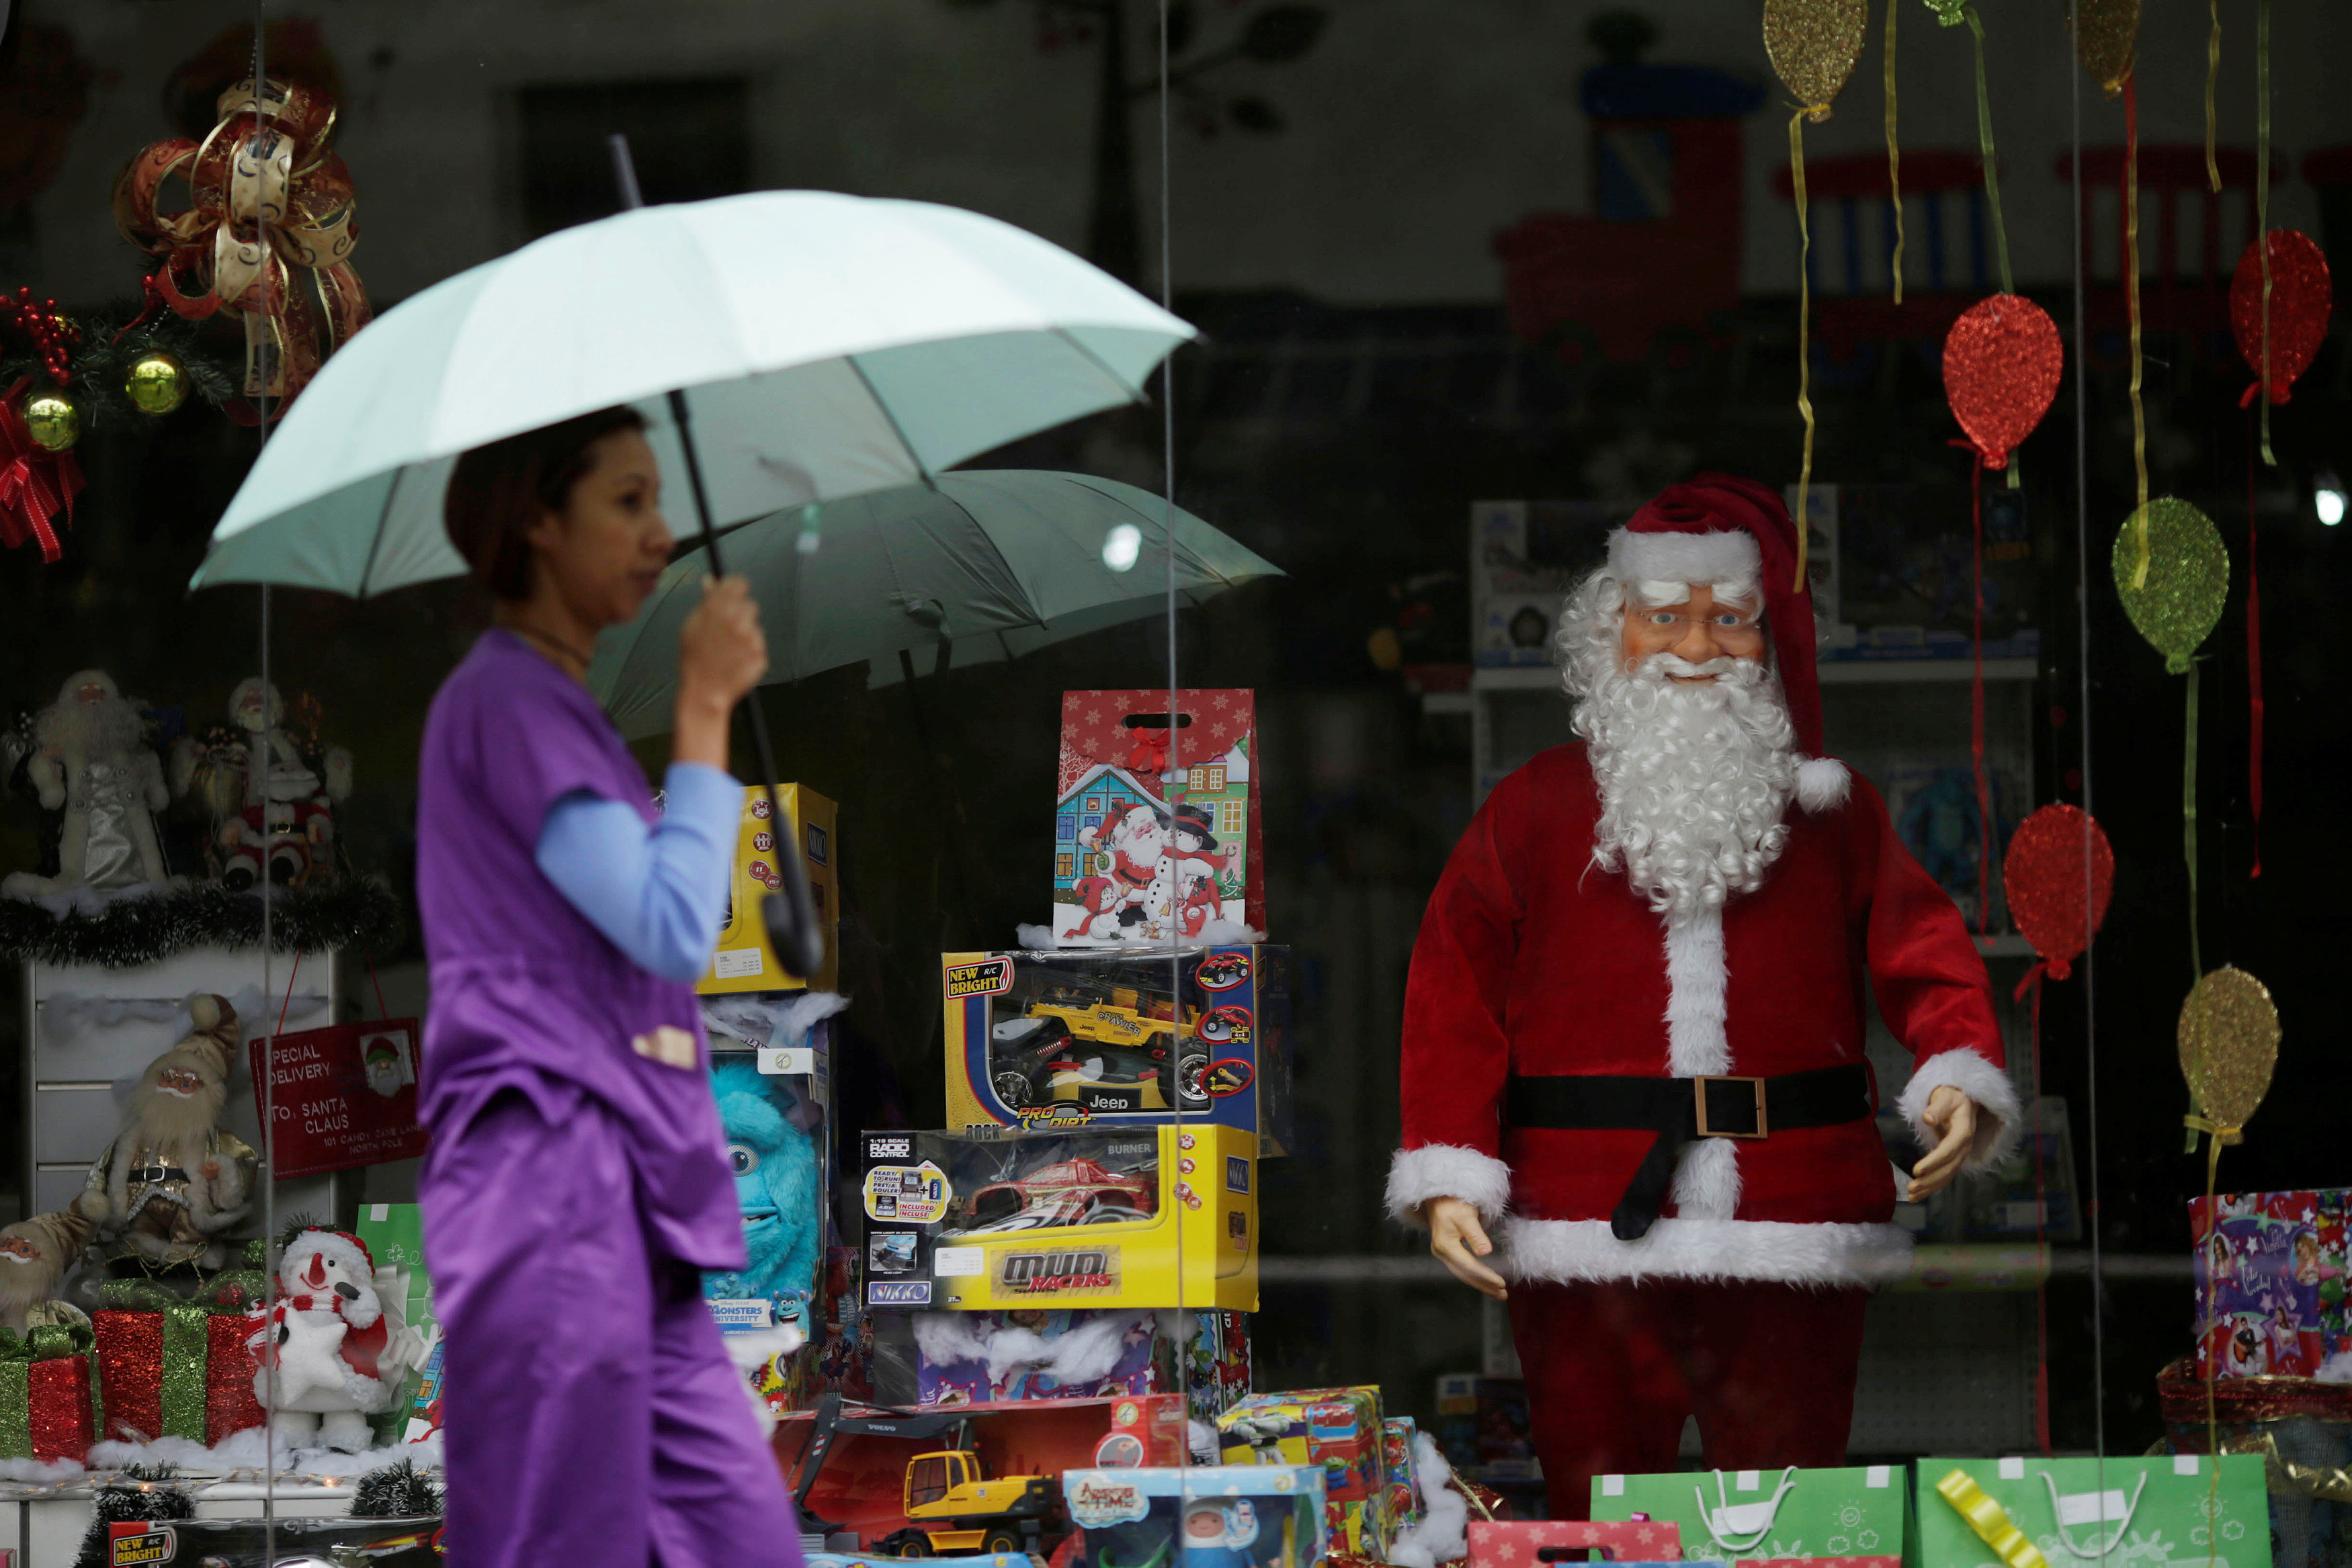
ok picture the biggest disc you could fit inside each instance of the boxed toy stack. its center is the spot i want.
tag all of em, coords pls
(1339, 1429)
(2270, 1271)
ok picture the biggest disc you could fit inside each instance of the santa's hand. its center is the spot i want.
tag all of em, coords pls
(1457, 1239)
(209, 1170)
(1952, 1116)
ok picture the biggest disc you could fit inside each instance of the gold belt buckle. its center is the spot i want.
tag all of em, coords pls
(1698, 1089)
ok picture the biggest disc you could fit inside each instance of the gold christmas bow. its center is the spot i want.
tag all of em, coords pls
(267, 234)
(1991, 1521)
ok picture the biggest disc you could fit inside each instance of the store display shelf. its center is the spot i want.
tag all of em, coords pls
(1877, 672)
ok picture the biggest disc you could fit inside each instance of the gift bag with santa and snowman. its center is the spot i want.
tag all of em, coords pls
(1156, 834)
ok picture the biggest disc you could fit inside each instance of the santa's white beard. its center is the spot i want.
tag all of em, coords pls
(108, 728)
(1693, 777)
(178, 1126)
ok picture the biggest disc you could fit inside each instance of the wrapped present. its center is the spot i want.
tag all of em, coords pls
(2301, 1429)
(2147, 1511)
(1338, 1428)
(2270, 1277)
(1398, 1462)
(1529, 1543)
(170, 1367)
(1753, 1515)
(46, 1392)
(1156, 829)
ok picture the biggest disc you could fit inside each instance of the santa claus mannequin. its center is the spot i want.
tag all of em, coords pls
(1634, 1028)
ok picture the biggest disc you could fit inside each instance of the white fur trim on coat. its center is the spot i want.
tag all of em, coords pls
(1706, 1177)
(2001, 1121)
(1448, 1170)
(1573, 1251)
(1723, 555)
(1822, 784)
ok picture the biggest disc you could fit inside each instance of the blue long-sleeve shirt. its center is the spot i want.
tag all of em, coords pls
(658, 893)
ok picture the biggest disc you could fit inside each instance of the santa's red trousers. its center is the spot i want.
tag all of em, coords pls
(1613, 1370)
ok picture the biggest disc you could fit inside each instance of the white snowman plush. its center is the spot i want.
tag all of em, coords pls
(331, 1352)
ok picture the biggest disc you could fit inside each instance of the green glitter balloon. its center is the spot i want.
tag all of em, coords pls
(2187, 577)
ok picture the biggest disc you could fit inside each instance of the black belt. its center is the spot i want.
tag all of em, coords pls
(1682, 1111)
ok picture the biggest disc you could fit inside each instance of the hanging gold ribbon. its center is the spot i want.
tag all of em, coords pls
(267, 234)
(1895, 153)
(1990, 1520)
(1804, 329)
(2131, 307)
(2212, 79)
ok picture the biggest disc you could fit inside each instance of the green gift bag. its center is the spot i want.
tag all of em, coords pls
(2116, 1514)
(1727, 1515)
(394, 1234)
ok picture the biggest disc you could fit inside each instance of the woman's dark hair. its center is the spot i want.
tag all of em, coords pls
(497, 493)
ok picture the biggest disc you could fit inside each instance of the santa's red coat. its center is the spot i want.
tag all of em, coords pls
(1533, 961)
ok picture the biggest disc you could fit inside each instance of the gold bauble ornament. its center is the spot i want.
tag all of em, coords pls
(52, 421)
(156, 383)
(1813, 45)
(2229, 1046)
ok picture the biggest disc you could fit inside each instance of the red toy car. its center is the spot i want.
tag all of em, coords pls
(1072, 1192)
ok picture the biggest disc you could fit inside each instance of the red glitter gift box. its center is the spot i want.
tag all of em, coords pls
(45, 1405)
(181, 1373)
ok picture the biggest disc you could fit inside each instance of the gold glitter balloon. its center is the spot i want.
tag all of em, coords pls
(52, 421)
(156, 383)
(1814, 44)
(2107, 35)
(2228, 1045)
(2187, 577)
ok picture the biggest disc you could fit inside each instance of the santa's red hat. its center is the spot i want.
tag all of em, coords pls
(1718, 528)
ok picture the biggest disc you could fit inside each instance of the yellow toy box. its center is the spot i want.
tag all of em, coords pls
(745, 961)
(991, 1219)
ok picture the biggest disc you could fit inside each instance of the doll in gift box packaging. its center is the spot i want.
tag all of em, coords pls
(1633, 1026)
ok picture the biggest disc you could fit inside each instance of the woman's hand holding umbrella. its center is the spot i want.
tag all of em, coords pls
(721, 654)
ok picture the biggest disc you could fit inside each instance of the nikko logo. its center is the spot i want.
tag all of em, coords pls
(898, 1293)
(889, 1148)
(1078, 1271)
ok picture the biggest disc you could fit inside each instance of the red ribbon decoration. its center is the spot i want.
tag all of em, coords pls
(1149, 758)
(267, 199)
(36, 483)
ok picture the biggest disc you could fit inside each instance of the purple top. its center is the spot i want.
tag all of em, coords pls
(527, 993)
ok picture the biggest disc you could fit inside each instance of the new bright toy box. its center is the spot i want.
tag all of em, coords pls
(1209, 1516)
(997, 1219)
(1120, 1038)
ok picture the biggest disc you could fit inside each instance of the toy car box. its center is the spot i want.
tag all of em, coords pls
(994, 1218)
(1337, 1428)
(1130, 1038)
(744, 960)
(1211, 1516)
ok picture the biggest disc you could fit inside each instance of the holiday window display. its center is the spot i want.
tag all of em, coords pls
(173, 1182)
(1571, 1029)
(333, 1351)
(1053, 1039)
(270, 799)
(1156, 829)
(983, 1219)
(90, 760)
(1210, 1516)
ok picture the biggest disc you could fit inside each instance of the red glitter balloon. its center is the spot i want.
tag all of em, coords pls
(2301, 297)
(2002, 360)
(2043, 873)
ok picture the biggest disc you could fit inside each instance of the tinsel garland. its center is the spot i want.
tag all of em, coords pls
(99, 363)
(396, 1492)
(346, 912)
(140, 1492)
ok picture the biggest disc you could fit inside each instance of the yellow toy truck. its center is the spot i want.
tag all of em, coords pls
(954, 1509)
(1102, 1052)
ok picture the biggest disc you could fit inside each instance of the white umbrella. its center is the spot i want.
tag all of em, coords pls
(827, 345)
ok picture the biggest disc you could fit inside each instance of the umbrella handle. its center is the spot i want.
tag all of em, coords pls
(789, 913)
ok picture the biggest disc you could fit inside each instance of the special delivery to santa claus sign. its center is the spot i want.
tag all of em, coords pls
(343, 1096)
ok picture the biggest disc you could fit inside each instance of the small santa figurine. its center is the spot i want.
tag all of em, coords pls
(331, 1352)
(1633, 1027)
(173, 1182)
(91, 761)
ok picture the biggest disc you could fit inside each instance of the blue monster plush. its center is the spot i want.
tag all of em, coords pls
(775, 1186)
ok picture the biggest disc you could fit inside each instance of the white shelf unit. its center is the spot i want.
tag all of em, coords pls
(87, 1031)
